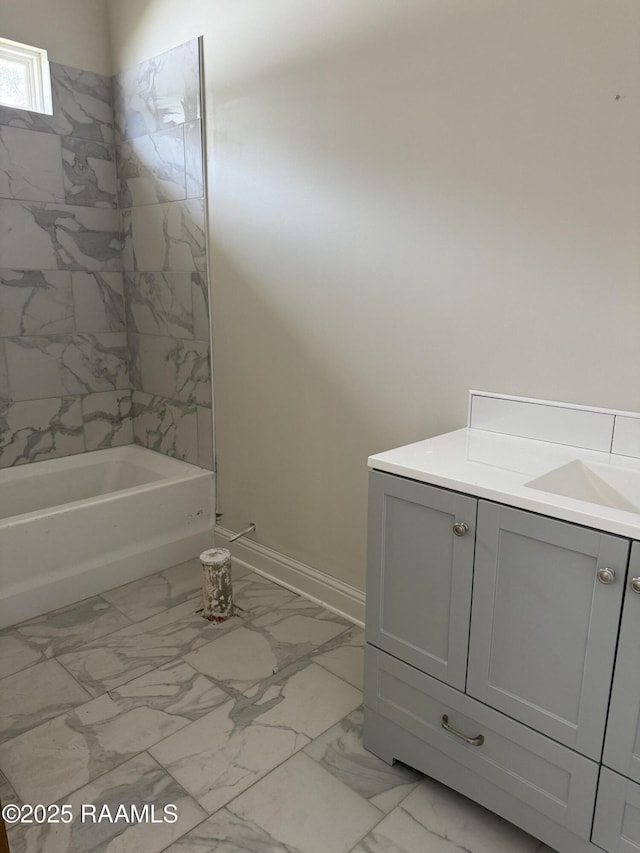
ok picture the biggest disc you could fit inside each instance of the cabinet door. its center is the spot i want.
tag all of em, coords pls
(419, 575)
(543, 627)
(622, 743)
(616, 826)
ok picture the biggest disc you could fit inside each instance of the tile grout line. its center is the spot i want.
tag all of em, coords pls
(186, 793)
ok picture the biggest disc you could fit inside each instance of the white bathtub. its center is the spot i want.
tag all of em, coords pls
(76, 526)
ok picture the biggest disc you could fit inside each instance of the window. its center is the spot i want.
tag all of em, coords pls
(25, 82)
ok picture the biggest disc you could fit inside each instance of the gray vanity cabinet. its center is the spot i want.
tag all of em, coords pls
(616, 826)
(492, 635)
(622, 744)
(419, 575)
(546, 608)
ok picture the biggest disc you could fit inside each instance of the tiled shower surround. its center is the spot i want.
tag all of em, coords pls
(64, 382)
(161, 197)
(104, 329)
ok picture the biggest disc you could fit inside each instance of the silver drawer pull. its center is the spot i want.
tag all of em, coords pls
(478, 740)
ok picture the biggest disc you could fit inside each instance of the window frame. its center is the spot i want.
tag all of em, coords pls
(36, 64)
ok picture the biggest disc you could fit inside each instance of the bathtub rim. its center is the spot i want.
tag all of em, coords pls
(172, 471)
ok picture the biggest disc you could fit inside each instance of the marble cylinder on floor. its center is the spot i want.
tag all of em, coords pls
(217, 591)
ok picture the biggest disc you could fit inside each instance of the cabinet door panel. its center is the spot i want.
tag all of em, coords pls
(622, 743)
(543, 629)
(419, 575)
(616, 826)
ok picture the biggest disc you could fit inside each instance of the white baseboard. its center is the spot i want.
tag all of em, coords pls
(311, 583)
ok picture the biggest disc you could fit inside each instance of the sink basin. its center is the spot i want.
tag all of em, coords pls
(598, 484)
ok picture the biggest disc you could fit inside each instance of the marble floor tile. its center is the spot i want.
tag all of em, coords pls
(347, 659)
(304, 697)
(154, 594)
(303, 806)
(238, 571)
(161, 591)
(295, 605)
(120, 657)
(216, 758)
(81, 745)
(255, 595)
(36, 694)
(69, 627)
(16, 653)
(138, 782)
(7, 793)
(341, 753)
(238, 659)
(251, 653)
(448, 821)
(401, 833)
(225, 752)
(258, 720)
(227, 833)
(5, 393)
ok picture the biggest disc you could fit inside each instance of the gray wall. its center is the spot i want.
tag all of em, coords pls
(407, 200)
(161, 196)
(64, 382)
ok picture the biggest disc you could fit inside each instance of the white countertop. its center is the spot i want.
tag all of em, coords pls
(498, 467)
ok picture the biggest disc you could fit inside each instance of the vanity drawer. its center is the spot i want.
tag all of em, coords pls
(556, 781)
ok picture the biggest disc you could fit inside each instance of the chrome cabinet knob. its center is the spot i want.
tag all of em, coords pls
(460, 528)
(635, 585)
(606, 575)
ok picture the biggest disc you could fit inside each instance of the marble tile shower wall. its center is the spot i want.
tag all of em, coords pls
(161, 199)
(91, 356)
(64, 380)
